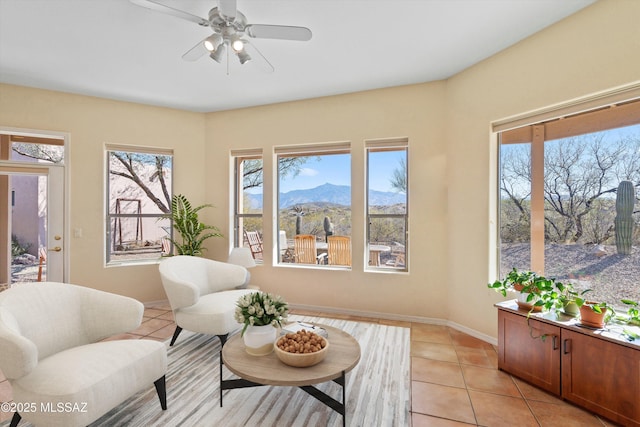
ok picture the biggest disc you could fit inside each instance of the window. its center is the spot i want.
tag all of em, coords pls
(248, 203)
(558, 186)
(314, 199)
(138, 200)
(32, 149)
(387, 185)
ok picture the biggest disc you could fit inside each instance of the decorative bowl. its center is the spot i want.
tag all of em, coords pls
(301, 360)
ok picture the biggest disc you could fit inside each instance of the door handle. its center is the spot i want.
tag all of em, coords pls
(555, 342)
(567, 346)
(56, 249)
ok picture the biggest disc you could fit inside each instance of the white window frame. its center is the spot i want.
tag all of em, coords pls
(111, 216)
(307, 150)
(401, 144)
(237, 158)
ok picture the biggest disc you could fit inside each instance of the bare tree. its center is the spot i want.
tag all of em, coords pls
(399, 178)
(252, 170)
(580, 172)
(132, 166)
(49, 153)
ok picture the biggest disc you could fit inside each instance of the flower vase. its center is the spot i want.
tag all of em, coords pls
(258, 340)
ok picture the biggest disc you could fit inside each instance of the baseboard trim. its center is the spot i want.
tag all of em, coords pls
(397, 317)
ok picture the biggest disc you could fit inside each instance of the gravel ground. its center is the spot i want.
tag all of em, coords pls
(609, 276)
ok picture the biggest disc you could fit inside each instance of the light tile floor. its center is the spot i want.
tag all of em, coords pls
(455, 380)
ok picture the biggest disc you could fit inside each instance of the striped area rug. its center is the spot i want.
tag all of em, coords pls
(378, 388)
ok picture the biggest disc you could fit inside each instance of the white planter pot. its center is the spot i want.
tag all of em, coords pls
(258, 340)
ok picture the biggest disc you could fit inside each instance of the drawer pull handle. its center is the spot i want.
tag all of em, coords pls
(567, 346)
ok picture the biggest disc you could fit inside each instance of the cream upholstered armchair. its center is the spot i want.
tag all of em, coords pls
(52, 354)
(203, 294)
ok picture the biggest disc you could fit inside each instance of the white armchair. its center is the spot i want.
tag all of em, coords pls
(203, 294)
(52, 354)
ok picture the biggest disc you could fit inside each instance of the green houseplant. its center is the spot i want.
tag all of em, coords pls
(595, 314)
(632, 317)
(530, 286)
(514, 281)
(569, 299)
(633, 312)
(192, 232)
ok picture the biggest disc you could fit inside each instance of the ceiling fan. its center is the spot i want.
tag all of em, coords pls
(230, 29)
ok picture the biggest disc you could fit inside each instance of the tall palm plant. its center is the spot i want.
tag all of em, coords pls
(193, 233)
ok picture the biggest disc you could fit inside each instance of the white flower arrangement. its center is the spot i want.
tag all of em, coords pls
(260, 309)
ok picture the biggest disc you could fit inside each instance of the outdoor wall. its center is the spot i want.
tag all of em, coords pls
(92, 122)
(591, 51)
(415, 112)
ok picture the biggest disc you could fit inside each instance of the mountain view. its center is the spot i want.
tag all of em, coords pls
(329, 193)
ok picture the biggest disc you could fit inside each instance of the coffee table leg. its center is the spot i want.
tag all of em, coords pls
(339, 407)
(220, 378)
(344, 399)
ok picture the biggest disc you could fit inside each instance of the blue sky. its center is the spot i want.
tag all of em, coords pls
(336, 169)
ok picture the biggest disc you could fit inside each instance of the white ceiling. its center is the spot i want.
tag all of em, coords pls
(115, 49)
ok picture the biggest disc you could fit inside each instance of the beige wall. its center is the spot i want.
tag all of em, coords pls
(591, 51)
(92, 122)
(451, 164)
(415, 112)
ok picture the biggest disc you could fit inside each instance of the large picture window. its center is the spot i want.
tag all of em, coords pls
(138, 200)
(559, 184)
(314, 206)
(387, 194)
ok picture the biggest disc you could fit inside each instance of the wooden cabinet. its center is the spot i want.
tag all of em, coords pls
(601, 376)
(597, 370)
(536, 361)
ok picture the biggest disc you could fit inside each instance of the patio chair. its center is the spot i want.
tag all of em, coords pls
(304, 250)
(42, 262)
(339, 250)
(255, 243)
(397, 255)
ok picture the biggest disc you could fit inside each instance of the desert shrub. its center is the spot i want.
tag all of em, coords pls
(18, 249)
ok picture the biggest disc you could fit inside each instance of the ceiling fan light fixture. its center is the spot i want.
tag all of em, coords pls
(237, 45)
(217, 55)
(227, 25)
(243, 56)
(212, 42)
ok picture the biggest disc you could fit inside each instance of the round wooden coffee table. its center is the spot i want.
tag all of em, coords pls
(343, 356)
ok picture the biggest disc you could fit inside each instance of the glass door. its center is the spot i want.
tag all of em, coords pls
(31, 224)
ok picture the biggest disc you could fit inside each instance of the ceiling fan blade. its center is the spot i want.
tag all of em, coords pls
(282, 32)
(228, 9)
(257, 57)
(196, 52)
(159, 7)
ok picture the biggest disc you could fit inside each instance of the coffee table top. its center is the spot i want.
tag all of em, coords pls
(343, 355)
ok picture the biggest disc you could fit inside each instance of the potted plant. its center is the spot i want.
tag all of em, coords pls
(260, 313)
(192, 232)
(633, 312)
(569, 299)
(595, 314)
(525, 283)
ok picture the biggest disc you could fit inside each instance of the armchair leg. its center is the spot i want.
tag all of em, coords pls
(15, 420)
(175, 335)
(223, 339)
(161, 388)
